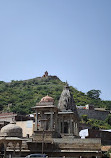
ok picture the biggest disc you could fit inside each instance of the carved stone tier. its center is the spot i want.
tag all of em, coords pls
(47, 136)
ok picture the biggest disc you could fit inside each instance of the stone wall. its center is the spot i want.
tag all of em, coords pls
(96, 114)
(62, 146)
(79, 144)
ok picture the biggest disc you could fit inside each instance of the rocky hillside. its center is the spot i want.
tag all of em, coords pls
(20, 96)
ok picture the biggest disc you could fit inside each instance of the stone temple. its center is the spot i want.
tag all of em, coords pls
(58, 121)
(56, 129)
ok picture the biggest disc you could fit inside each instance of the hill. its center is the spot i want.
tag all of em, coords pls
(20, 96)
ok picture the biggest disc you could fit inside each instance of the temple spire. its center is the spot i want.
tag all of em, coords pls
(66, 101)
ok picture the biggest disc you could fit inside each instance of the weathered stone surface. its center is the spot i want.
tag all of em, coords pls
(66, 101)
(38, 136)
(68, 144)
(93, 114)
(11, 130)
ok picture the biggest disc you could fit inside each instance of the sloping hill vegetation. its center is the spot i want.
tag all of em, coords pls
(20, 96)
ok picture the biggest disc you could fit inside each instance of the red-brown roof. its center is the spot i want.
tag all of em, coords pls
(47, 99)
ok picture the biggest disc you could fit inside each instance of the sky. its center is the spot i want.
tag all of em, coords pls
(69, 38)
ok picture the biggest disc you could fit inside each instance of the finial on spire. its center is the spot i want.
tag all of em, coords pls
(66, 85)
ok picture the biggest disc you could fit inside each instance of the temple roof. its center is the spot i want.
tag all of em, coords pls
(66, 101)
(11, 130)
(47, 99)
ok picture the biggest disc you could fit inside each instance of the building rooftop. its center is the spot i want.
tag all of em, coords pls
(47, 99)
(11, 130)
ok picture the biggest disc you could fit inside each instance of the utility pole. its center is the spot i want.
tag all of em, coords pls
(43, 142)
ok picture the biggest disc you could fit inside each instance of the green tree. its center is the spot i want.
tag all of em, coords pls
(108, 119)
(84, 118)
(94, 94)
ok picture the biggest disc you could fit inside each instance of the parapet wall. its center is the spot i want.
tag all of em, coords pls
(93, 114)
(75, 145)
(79, 144)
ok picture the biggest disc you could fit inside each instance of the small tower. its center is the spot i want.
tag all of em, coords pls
(45, 74)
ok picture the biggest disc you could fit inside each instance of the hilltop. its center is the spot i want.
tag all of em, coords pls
(20, 96)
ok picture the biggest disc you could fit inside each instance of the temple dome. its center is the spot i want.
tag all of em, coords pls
(47, 99)
(11, 130)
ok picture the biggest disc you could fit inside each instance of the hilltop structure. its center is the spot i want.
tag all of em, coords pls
(45, 74)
